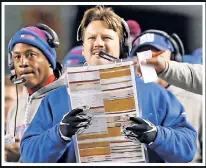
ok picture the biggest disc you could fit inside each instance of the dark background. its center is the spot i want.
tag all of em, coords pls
(184, 20)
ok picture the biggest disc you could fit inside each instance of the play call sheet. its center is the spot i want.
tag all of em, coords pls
(110, 91)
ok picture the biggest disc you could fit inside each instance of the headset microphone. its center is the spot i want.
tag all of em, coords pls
(17, 81)
(107, 56)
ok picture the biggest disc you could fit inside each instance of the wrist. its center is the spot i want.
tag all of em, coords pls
(166, 66)
(65, 138)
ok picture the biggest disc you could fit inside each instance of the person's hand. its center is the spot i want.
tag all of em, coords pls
(140, 130)
(74, 122)
(12, 151)
(159, 61)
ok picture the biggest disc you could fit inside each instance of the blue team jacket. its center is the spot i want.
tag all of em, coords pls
(175, 140)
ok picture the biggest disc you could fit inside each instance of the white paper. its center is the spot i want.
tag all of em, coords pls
(110, 91)
(148, 71)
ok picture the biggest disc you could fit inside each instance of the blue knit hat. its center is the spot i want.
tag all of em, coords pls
(36, 37)
(74, 57)
(74, 60)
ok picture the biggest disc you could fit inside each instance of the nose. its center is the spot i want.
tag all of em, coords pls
(23, 62)
(98, 42)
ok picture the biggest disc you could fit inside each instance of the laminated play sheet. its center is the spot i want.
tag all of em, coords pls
(110, 91)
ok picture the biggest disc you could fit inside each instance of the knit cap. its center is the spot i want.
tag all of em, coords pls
(35, 37)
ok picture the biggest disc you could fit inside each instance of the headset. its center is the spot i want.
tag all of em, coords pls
(173, 38)
(125, 46)
(52, 40)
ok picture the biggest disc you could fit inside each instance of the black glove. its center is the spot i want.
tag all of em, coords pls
(74, 122)
(142, 130)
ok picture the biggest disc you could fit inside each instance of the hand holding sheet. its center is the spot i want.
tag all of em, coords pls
(148, 72)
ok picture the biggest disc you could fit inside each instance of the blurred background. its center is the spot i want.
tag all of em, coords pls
(185, 20)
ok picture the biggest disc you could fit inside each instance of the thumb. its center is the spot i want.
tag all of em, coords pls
(159, 63)
(137, 120)
(150, 61)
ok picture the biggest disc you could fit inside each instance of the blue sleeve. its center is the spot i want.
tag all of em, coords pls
(176, 138)
(41, 141)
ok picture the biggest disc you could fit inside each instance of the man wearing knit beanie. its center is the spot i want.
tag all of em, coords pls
(34, 58)
(33, 42)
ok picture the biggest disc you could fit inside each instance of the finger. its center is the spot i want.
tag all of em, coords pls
(84, 116)
(84, 108)
(136, 120)
(79, 124)
(76, 111)
(139, 138)
(155, 54)
(129, 132)
(133, 139)
(137, 128)
(78, 119)
(150, 61)
(138, 70)
(80, 130)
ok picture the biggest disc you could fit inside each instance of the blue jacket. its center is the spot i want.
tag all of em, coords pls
(175, 140)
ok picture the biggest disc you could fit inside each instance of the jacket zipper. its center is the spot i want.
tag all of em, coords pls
(26, 115)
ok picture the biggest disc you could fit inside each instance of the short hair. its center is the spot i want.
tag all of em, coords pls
(106, 14)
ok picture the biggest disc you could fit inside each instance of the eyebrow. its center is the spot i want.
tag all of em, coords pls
(102, 36)
(29, 50)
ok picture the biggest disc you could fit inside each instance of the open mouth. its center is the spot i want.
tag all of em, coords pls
(96, 52)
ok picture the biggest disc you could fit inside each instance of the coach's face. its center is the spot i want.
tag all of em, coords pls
(98, 37)
(30, 62)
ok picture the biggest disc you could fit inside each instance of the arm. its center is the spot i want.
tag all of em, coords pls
(176, 138)
(41, 142)
(50, 133)
(183, 75)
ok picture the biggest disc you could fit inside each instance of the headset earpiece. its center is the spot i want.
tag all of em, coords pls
(79, 35)
(179, 41)
(125, 47)
(53, 39)
(10, 60)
